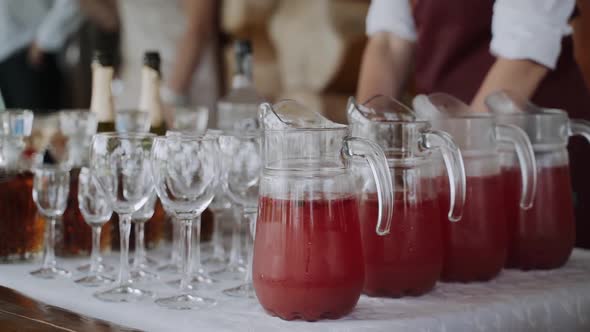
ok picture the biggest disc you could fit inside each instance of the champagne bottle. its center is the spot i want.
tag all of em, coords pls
(101, 102)
(149, 99)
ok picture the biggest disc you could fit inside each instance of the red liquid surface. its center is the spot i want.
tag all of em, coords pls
(409, 260)
(308, 260)
(476, 245)
(543, 236)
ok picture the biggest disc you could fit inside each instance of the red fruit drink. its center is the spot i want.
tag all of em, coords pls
(476, 245)
(543, 236)
(308, 259)
(408, 261)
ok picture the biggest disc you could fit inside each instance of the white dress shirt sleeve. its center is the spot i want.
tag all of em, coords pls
(530, 29)
(393, 16)
(61, 20)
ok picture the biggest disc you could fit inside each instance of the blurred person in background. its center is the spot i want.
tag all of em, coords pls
(183, 32)
(471, 49)
(31, 34)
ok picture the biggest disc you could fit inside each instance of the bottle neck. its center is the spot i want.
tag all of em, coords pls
(149, 100)
(102, 98)
(243, 75)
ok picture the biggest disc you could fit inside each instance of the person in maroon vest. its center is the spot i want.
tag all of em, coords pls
(470, 49)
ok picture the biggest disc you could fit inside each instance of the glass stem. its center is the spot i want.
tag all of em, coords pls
(140, 254)
(124, 232)
(250, 235)
(49, 251)
(175, 256)
(187, 226)
(95, 254)
(218, 250)
(235, 257)
(197, 259)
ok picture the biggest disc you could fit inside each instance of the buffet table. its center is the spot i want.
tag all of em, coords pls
(556, 300)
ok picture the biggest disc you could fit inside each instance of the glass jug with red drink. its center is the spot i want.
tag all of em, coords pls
(308, 258)
(21, 233)
(476, 247)
(543, 236)
(409, 260)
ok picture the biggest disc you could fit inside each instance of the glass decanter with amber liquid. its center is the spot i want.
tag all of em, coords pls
(21, 233)
(75, 236)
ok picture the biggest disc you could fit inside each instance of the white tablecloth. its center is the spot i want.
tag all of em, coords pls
(556, 300)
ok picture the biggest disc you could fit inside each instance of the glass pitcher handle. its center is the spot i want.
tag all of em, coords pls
(455, 169)
(372, 153)
(580, 128)
(526, 158)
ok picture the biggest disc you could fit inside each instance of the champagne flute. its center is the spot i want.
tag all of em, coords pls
(121, 164)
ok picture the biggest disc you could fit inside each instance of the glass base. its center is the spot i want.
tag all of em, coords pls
(101, 268)
(230, 272)
(185, 302)
(94, 281)
(215, 263)
(198, 279)
(148, 263)
(171, 268)
(141, 274)
(245, 291)
(50, 272)
(124, 293)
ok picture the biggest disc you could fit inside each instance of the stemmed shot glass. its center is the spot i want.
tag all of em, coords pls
(51, 186)
(96, 210)
(241, 185)
(185, 172)
(121, 164)
(141, 262)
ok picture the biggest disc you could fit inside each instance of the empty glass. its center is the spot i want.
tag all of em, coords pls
(94, 206)
(185, 173)
(241, 185)
(132, 121)
(141, 263)
(121, 164)
(78, 126)
(191, 120)
(51, 186)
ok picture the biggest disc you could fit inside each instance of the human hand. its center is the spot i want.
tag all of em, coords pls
(35, 55)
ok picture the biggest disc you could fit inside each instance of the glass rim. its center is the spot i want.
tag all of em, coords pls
(17, 111)
(129, 135)
(546, 112)
(51, 167)
(131, 110)
(186, 137)
(340, 127)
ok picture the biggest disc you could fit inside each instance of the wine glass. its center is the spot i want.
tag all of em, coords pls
(139, 269)
(191, 120)
(121, 164)
(136, 121)
(241, 185)
(51, 186)
(185, 172)
(96, 210)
